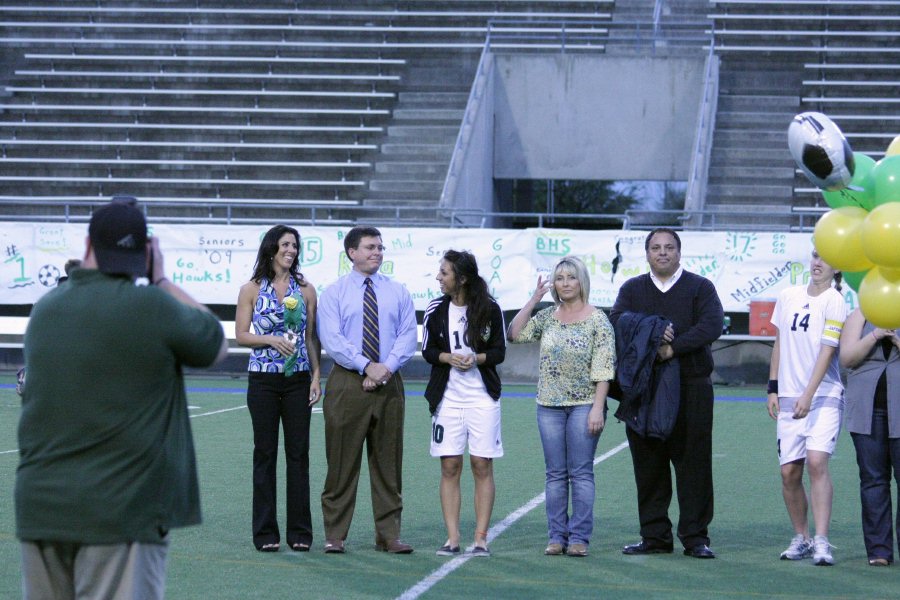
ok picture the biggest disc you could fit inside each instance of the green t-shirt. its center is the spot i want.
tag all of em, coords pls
(106, 452)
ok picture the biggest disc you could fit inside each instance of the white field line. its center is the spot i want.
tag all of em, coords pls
(436, 576)
(315, 409)
(218, 412)
(206, 414)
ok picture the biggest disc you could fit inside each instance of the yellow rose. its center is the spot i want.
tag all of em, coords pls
(290, 303)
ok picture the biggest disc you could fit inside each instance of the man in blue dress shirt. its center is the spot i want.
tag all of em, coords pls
(364, 399)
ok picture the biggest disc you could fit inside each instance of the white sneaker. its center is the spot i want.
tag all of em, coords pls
(800, 548)
(822, 551)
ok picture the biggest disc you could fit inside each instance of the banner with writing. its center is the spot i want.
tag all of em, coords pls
(212, 261)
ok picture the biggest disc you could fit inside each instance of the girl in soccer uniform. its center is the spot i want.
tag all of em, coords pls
(464, 341)
(806, 398)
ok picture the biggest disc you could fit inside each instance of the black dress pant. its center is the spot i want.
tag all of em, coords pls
(274, 398)
(689, 450)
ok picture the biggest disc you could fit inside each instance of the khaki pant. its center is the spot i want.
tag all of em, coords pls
(73, 571)
(353, 418)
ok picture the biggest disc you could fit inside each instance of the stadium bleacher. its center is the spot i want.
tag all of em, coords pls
(783, 58)
(170, 94)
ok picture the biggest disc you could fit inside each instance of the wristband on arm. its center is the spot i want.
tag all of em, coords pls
(772, 388)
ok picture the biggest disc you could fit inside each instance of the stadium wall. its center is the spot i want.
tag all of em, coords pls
(570, 116)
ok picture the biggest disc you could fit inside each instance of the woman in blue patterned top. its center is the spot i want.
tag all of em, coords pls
(577, 359)
(283, 383)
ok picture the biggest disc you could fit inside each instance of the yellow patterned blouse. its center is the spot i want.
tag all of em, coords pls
(573, 357)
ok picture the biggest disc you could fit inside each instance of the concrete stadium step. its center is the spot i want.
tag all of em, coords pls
(757, 103)
(427, 151)
(778, 222)
(718, 174)
(740, 155)
(433, 99)
(429, 114)
(771, 81)
(113, 152)
(406, 200)
(751, 138)
(431, 170)
(773, 208)
(725, 192)
(424, 133)
(756, 118)
(421, 187)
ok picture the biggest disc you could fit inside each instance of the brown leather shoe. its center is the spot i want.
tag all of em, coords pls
(554, 549)
(334, 546)
(394, 547)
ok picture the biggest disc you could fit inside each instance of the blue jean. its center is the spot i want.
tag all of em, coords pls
(569, 459)
(877, 456)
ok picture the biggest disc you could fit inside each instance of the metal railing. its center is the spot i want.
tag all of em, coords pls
(79, 211)
(695, 195)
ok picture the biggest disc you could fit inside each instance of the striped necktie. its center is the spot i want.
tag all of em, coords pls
(370, 323)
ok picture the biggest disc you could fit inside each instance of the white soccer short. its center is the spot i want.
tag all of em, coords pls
(451, 428)
(818, 430)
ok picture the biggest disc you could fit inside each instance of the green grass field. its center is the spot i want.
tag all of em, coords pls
(217, 560)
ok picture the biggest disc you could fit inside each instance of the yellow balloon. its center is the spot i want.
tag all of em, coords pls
(881, 235)
(838, 239)
(879, 299)
(894, 148)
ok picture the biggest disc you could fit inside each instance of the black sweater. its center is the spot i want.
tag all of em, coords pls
(435, 340)
(693, 307)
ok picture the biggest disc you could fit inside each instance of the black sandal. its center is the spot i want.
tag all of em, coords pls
(274, 547)
(300, 547)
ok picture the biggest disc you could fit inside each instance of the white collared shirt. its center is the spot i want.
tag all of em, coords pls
(665, 286)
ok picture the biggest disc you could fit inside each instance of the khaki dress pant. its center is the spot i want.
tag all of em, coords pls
(70, 571)
(354, 417)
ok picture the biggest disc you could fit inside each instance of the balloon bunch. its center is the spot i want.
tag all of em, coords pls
(860, 235)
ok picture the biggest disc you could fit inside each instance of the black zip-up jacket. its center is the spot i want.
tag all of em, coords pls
(649, 391)
(492, 343)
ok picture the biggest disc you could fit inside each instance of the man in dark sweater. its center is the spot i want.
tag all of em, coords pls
(692, 306)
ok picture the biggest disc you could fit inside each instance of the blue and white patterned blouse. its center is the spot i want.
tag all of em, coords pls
(268, 319)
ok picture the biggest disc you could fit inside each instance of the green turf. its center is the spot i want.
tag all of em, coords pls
(217, 559)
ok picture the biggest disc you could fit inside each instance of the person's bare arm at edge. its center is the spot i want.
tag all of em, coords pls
(853, 348)
(521, 318)
(313, 347)
(772, 399)
(596, 418)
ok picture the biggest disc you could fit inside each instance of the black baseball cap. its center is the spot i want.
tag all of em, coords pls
(118, 233)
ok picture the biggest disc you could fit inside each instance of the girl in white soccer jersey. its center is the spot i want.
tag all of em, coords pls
(464, 340)
(806, 398)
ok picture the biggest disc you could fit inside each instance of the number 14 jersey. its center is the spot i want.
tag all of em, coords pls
(804, 323)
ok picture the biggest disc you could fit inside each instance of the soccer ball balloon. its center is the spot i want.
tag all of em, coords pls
(821, 151)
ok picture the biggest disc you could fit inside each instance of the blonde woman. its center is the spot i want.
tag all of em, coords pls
(577, 359)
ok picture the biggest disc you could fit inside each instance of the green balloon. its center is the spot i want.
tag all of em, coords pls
(853, 279)
(886, 179)
(864, 198)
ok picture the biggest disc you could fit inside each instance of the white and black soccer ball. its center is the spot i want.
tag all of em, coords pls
(821, 151)
(48, 275)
